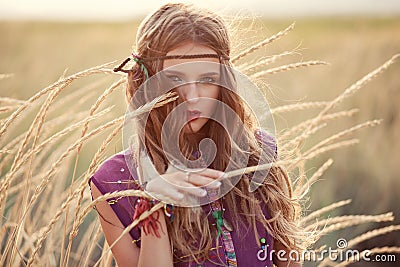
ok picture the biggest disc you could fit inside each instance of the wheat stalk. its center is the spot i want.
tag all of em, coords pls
(299, 106)
(287, 67)
(351, 220)
(76, 223)
(327, 148)
(306, 133)
(300, 189)
(92, 245)
(10, 174)
(373, 233)
(38, 121)
(347, 218)
(303, 125)
(100, 100)
(160, 100)
(93, 109)
(264, 62)
(341, 134)
(66, 81)
(354, 88)
(262, 43)
(321, 151)
(131, 226)
(323, 210)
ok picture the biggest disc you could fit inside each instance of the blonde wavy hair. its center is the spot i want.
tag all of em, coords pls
(161, 31)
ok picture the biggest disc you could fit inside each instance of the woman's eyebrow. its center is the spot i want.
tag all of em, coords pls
(209, 74)
(172, 72)
(167, 72)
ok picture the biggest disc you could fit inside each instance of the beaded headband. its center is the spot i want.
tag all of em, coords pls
(139, 60)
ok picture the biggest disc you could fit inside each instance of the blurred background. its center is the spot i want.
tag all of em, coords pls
(41, 39)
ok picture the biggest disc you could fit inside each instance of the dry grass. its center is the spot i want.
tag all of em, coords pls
(46, 208)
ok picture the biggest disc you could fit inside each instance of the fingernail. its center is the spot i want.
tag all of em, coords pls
(215, 184)
(203, 193)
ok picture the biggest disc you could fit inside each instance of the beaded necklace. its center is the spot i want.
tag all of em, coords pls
(223, 226)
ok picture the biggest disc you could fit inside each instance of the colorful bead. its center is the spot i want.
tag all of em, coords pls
(169, 211)
(263, 242)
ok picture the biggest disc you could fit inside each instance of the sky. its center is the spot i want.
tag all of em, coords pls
(121, 10)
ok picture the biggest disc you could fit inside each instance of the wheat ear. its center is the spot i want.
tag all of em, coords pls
(263, 43)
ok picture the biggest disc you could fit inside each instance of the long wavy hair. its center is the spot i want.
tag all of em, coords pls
(190, 235)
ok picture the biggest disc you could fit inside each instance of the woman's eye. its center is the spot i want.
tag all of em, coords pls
(207, 80)
(175, 78)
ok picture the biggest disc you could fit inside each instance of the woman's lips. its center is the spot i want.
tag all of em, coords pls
(192, 115)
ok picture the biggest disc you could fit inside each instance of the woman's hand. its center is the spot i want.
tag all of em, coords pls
(176, 184)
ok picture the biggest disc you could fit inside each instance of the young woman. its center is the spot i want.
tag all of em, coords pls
(214, 220)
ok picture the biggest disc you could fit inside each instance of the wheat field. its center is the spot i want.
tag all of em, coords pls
(332, 85)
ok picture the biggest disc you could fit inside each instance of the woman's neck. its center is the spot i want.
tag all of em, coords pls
(195, 138)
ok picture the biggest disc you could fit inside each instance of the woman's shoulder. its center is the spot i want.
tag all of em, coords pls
(116, 172)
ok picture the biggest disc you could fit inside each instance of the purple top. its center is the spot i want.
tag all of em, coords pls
(114, 175)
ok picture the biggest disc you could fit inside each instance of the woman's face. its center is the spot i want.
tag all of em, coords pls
(197, 91)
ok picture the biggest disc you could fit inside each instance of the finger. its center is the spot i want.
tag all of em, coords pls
(170, 192)
(214, 174)
(173, 188)
(200, 180)
(160, 188)
(186, 187)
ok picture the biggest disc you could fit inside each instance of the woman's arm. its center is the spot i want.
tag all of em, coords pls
(154, 251)
(125, 252)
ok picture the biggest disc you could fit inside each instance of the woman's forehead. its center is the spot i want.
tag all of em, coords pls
(190, 49)
(193, 67)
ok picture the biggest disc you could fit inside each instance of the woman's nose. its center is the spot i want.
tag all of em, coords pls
(192, 94)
